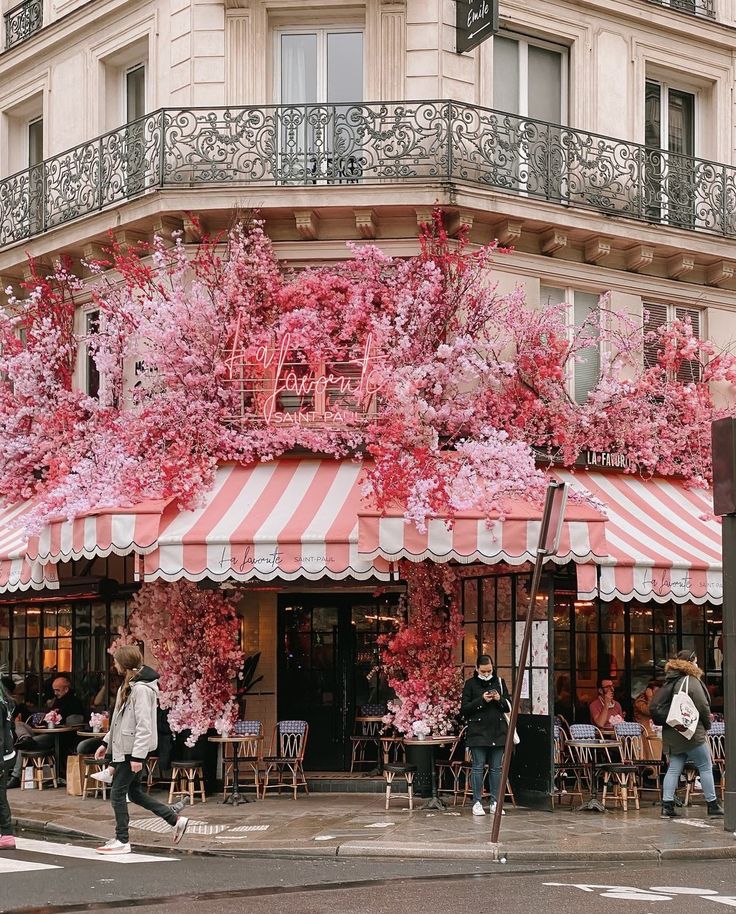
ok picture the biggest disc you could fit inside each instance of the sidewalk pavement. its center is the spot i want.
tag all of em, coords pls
(357, 824)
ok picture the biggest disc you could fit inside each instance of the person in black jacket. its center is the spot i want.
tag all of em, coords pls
(484, 703)
(7, 841)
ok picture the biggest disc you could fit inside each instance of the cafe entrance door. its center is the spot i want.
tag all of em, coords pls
(329, 667)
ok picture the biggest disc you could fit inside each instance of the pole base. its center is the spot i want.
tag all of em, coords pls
(592, 805)
(435, 803)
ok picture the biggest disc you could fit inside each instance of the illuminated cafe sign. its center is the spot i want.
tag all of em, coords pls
(592, 460)
(475, 21)
(277, 385)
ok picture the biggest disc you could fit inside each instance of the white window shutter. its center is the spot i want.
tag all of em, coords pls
(655, 316)
(689, 372)
(586, 372)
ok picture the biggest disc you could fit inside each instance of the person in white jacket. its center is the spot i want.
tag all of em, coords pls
(131, 738)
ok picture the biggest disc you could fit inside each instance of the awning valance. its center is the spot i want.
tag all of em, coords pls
(30, 561)
(663, 542)
(286, 519)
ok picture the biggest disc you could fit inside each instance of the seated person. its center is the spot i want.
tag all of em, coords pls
(70, 707)
(605, 711)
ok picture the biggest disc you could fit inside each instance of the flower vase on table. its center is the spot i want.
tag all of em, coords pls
(52, 719)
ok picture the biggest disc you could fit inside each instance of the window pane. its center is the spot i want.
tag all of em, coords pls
(298, 69)
(345, 67)
(506, 74)
(612, 616)
(470, 600)
(681, 122)
(35, 142)
(135, 93)
(653, 116)
(545, 84)
(92, 379)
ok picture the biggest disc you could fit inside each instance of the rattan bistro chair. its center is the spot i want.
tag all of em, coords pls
(367, 736)
(449, 770)
(716, 738)
(249, 756)
(284, 766)
(568, 774)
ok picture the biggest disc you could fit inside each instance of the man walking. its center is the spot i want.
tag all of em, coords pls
(484, 704)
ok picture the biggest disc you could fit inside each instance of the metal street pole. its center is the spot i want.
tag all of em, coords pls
(723, 433)
(549, 537)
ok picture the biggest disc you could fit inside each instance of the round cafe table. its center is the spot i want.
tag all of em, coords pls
(588, 759)
(431, 743)
(57, 733)
(235, 797)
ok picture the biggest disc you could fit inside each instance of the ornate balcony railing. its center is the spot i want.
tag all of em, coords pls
(704, 8)
(22, 21)
(441, 142)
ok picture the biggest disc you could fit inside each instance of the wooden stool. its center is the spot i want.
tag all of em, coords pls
(39, 761)
(92, 766)
(405, 771)
(184, 777)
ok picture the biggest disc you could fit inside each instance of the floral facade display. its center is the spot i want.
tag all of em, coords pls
(440, 361)
(418, 659)
(194, 636)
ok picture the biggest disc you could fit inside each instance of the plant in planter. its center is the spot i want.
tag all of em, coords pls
(419, 657)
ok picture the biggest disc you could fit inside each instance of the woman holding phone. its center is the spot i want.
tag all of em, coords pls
(484, 703)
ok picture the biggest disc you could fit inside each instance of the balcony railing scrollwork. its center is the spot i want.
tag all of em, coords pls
(441, 142)
(704, 8)
(22, 21)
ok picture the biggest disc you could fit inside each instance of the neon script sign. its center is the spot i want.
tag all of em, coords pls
(278, 385)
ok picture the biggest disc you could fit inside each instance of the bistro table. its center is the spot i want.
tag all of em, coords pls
(57, 733)
(431, 743)
(587, 759)
(235, 797)
(367, 721)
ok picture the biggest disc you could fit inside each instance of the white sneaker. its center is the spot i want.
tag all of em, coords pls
(478, 810)
(492, 809)
(104, 776)
(113, 846)
(180, 828)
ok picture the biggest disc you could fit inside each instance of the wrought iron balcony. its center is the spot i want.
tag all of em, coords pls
(704, 8)
(22, 21)
(440, 142)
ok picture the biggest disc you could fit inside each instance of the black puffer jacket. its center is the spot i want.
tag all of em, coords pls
(486, 722)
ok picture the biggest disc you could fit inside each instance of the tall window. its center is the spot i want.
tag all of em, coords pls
(91, 372)
(530, 78)
(318, 67)
(669, 132)
(530, 81)
(135, 92)
(658, 315)
(135, 134)
(583, 320)
(35, 174)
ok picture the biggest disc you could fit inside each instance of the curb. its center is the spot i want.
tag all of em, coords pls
(489, 852)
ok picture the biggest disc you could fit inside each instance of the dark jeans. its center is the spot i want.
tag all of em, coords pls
(6, 822)
(482, 756)
(127, 782)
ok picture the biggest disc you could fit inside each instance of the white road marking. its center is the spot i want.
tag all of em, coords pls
(8, 865)
(86, 853)
(680, 890)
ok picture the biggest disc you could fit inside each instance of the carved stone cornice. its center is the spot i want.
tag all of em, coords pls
(680, 265)
(509, 232)
(597, 249)
(638, 257)
(552, 241)
(366, 223)
(720, 272)
(307, 224)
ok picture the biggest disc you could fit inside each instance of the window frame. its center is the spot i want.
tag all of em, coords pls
(523, 94)
(321, 31)
(141, 65)
(569, 301)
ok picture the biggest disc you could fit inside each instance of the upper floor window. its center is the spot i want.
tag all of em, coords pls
(135, 93)
(35, 142)
(658, 315)
(583, 321)
(91, 371)
(530, 78)
(318, 66)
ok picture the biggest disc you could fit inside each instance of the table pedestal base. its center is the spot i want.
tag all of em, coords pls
(435, 803)
(236, 798)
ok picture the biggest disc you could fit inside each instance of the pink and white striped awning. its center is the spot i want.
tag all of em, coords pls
(30, 561)
(286, 519)
(663, 542)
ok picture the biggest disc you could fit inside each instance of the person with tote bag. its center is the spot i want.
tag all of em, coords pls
(683, 742)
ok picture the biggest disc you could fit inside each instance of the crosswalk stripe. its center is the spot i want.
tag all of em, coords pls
(85, 853)
(9, 865)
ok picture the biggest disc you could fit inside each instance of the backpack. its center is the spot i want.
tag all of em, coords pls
(660, 702)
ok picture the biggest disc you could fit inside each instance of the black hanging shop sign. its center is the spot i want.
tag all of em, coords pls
(475, 21)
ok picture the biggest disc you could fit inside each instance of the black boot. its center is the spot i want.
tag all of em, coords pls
(714, 809)
(668, 810)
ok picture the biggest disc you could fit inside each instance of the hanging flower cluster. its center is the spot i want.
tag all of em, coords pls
(464, 381)
(418, 659)
(194, 635)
